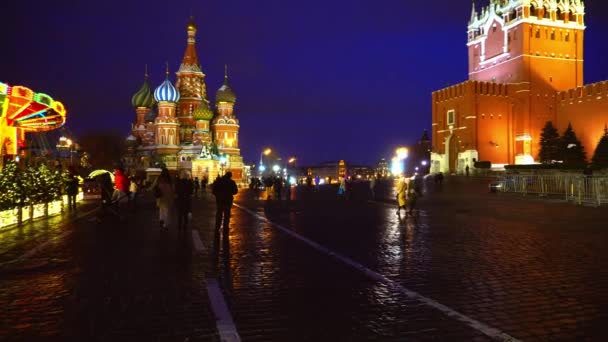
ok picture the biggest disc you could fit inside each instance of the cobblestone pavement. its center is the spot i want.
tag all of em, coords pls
(114, 280)
(532, 269)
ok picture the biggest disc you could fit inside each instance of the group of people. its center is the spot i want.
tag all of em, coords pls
(408, 192)
(176, 194)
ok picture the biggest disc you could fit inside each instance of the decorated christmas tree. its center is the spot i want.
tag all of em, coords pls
(600, 157)
(10, 186)
(571, 149)
(549, 144)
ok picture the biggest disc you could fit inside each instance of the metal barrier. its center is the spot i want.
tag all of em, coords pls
(577, 188)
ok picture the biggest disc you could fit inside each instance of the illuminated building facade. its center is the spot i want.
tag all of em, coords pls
(525, 68)
(185, 133)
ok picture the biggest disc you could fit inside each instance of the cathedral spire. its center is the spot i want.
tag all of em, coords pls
(473, 11)
(190, 59)
(225, 73)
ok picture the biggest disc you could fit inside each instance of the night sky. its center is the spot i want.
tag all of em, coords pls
(319, 79)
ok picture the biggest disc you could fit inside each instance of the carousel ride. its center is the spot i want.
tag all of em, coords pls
(22, 111)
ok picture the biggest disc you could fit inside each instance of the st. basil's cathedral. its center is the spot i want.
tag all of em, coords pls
(185, 133)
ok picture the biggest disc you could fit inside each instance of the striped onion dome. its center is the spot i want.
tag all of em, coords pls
(166, 92)
(203, 112)
(143, 97)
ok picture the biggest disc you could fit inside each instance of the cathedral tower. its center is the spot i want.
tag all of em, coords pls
(142, 101)
(166, 124)
(191, 86)
(225, 124)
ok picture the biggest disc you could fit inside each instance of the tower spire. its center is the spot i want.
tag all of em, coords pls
(225, 72)
(473, 11)
(167, 70)
(146, 72)
(190, 57)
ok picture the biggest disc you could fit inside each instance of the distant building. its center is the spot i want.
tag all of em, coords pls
(525, 68)
(382, 168)
(331, 172)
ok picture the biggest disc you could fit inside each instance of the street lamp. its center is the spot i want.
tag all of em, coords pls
(69, 142)
(276, 168)
(264, 152)
(222, 164)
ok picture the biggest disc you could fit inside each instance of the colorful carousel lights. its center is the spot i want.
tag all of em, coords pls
(24, 109)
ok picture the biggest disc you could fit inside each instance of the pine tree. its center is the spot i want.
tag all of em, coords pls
(600, 157)
(571, 149)
(10, 186)
(549, 144)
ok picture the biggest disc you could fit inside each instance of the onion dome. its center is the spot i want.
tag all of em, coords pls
(166, 91)
(191, 24)
(143, 97)
(203, 112)
(225, 93)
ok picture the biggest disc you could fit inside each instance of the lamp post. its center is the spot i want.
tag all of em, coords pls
(222, 164)
(264, 152)
(69, 142)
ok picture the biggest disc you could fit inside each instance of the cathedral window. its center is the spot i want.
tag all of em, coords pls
(567, 38)
(552, 35)
(537, 33)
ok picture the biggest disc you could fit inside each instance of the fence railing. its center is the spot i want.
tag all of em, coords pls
(577, 188)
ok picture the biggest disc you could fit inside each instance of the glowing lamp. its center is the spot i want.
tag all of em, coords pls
(402, 153)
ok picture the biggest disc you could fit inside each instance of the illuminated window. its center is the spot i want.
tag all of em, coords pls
(451, 117)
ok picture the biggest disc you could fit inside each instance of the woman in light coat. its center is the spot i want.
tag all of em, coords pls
(165, 197)
(402, 195)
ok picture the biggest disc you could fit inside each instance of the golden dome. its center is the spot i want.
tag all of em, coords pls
(191, 24)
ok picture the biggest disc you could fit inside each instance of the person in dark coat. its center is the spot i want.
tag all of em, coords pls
(71, 189)
(183, 189)
(224, 189)
(196, 185)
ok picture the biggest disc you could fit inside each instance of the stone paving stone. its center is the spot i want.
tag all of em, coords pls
(113, 281)
(282, 290)
(471, 248)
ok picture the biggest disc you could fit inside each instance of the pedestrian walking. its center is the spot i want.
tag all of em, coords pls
(414, 193)
(466, 170)
(204, 183)
(133, 189)
(372, 188)
(184, 189)
(402, 186)
(224, 189)
(121, 187)
(278, 188)
(71, 190)
(165, 197)
(196, 184)
(342, 188)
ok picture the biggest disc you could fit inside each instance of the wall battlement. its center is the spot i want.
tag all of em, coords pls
(472, 88)
(589, 92)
